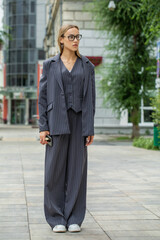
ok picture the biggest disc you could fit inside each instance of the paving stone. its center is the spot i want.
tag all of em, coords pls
(122, 233)
(123, 191)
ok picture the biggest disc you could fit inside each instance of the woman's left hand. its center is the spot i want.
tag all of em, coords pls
(89, 140)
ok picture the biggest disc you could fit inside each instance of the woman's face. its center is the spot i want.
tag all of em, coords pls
(69, 43)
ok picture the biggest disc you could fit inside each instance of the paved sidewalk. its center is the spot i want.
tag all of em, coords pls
(123, 196)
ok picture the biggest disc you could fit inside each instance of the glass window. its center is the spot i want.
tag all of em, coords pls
(19, 20)
(25, 68)
(12, 7)
(31, 80)
(12, 44)
(13, 68)
(32, 68)
(13, 80)
(25, 31)
(8, 80)
(148, 116)
(19, 80)
(32, 19)
(32, 7)
(12, 31)
(32, 44)
(32, 108)
(32, 56)
(25, 19)
(25, 56)
(19, 7)
(12, 56)
(9, 68)
(12, 20)
(19, 68)
(32, 31)
(41, 54)
(19, 43)
(25, 43)
(25, 7)
(19, 57)
(145, 111)
(19, 32)
(25, 80)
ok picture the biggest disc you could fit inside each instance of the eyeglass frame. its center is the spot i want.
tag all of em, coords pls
(75, 36)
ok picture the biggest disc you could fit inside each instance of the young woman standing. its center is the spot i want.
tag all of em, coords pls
(66, 112)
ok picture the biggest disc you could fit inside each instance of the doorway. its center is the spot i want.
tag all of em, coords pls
(17, 111)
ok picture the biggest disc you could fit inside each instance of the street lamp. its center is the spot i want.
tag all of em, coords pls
(112, 4)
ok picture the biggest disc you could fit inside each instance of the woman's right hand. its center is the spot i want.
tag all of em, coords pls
(42, 137)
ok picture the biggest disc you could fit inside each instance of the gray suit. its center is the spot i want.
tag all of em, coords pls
(66, 107)
(52, 106)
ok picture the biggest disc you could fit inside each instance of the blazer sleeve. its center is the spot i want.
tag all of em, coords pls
(93, 90)
(42, 100)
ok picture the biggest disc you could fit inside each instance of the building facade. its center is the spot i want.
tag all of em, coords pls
(21, 55)
(92, 45)
(34, 27)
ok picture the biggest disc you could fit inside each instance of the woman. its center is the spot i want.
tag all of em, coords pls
(66, 112)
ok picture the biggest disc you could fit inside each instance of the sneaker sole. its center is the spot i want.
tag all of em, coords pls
(57, 231)
(74, 230)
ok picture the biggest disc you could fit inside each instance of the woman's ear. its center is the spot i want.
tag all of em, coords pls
(61, 40)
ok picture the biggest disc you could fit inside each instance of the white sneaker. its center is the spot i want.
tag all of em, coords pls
(59, 228)
(74, 228)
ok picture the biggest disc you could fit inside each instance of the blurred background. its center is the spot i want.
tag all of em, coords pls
(29, 31)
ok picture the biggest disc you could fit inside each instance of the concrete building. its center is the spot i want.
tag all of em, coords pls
(92, 44)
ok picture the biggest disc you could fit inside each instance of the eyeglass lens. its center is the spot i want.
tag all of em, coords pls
(72, 37)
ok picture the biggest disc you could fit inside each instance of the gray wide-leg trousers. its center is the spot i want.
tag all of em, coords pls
(65, 182)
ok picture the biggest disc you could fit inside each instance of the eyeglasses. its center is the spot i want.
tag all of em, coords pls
(72, 37)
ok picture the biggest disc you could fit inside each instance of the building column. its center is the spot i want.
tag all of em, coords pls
(27, 111)
(9, 111)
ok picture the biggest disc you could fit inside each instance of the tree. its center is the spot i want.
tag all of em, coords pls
(152, 26)
(127, 78)
(4, 35)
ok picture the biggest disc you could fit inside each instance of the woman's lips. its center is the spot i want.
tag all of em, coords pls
(75, 45)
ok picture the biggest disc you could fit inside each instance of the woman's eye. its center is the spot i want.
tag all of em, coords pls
(71, 36)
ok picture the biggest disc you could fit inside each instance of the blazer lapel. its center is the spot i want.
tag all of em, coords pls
(57, 71)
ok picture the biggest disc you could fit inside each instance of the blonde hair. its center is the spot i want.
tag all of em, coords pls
(62, 31)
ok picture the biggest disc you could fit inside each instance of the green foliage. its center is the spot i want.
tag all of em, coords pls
(155, 102)
(128, 73)
(151, 28)
(4, 34)
(146, 143)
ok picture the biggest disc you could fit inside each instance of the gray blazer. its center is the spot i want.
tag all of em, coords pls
(51, 102)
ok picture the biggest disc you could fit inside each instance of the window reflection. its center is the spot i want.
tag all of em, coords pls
(18, 80)
(32, 31)
(25, 56)
(19, 33)
(19, 44)
(25, 19)
(21, 56)
(32, 7)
